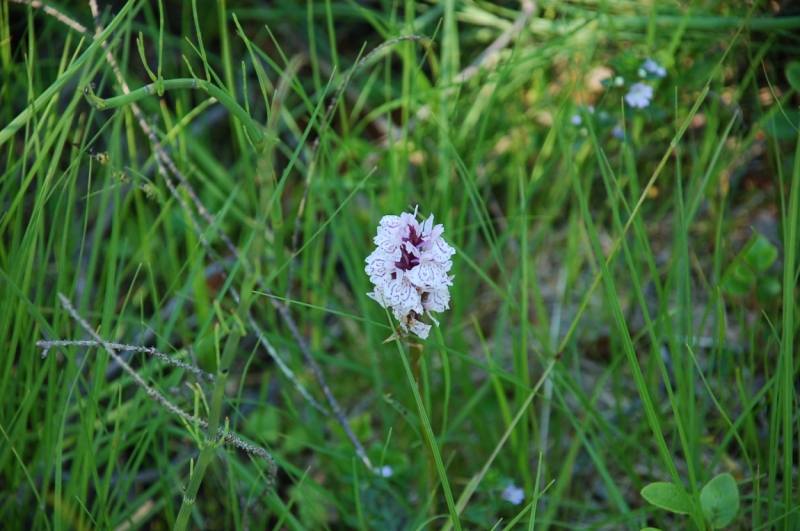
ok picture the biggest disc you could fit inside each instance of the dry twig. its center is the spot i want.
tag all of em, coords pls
(229, 436)
(47, 345)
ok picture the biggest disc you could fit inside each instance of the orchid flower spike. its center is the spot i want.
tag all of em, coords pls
(409, 270)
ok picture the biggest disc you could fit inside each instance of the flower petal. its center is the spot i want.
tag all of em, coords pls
(390, 222)
(379, 296)
(402, 295)
(380, 267)
(437, 300)
(513, 494)
(433, 233)
(420, 328)
(427, 227)
(428, 275)
(441, 250)
(639, 95)
(389, 243)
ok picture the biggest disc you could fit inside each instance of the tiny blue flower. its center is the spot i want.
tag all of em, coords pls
(639, 95)
(653, 68)
(513, 494)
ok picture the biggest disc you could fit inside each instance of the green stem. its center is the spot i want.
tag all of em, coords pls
(416, 362)
(786, 393)
(426, 428)
(212, 440)
(253, 129)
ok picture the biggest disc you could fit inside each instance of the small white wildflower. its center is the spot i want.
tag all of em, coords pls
(385, 471)
(577, 120)
(639, 95)
(653, 68)
(617, 132)
(619, 81)
(409, 269)
(642, 72)
(513, 494)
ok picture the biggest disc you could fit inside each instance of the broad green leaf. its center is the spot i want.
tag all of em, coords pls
(667, 496)
(650, 529)
(264, 423)
(767, 289)
(720, 501)
(782, 123)
(761, 254)
(793, 74)
(738, 280)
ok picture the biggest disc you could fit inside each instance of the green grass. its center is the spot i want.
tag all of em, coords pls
(624, 311)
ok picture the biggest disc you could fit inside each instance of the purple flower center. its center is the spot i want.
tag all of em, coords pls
(408, 260)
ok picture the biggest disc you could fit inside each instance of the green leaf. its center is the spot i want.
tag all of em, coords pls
(767, 289)
(311, 505)
(650, 529)
(793, 74)
(782, 123)
(738, 280)
(761, 254)
(264, 423)
(720, 501)
(667, 496)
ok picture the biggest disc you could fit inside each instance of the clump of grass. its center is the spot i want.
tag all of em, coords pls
(619, 350)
